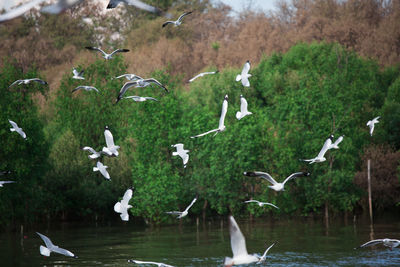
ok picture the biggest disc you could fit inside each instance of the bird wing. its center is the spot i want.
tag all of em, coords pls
(326, 146)
(14, 83)
(124, 88)
(202, 134)
(251, 201)
(75, 72)
(18, 11)
(143, 6)
(150, 98)
(119, 51)
(191, 204)
(263, 175)
(195, 77)
(81, 73)
(37, 80)
(246, 69)
(270, 204)
(62, 251)
(96, 49)
(78, 88)
(174, 212)
(179, 147)
(243, 105)
(60, 6)
(46, 240)
(88, 148)
(375, 120)
(223, 113)
(6, 182)
(295, 175)
(168, 22)
(371, 243)
(13, 124)
(92, 88)
(184, 14)
(152, 80)
(109, 138)
(266, 251)
(238, 243)
(127, 196)
(338, 141)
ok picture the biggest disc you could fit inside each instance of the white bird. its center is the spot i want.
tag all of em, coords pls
(337, 142)
(129, 77)
(18, 11)
(182, 214)
(94, 154)
(181, 153)
(102, 169)
(275, 185)
(371, 124)
(261, 203)
(244, 76)
(320, 157)
(390, 243)
(202, 74)
(26, 81)
(60, 6)
(17, 129)
(238, 245)
(264, 256)
(105, 55)
(77, 75)
(139, 83)
(221, 125)
(159, 264)
(50, 247)
(111, 148)
(178, 21)
(85, 87)
(5, 182)
(243, 109)
(135, 3)
(123, 205)
(140, 98)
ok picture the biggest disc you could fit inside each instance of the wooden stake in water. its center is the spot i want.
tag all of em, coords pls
(369, 191)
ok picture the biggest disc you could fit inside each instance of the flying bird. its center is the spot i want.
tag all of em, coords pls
(102, 169)
(244, 76)
(4, 172)
(182, 214)
(275, 185)
(50, 247)
(221, 125)
(77, 75)
(178, 21)
(202, 74)
(105, 55)
(129, 77)
(123, 205)
(264, 256)
(85, 87)
(5, 182)
(60, 6)
(181, 153)
(139, 83)
(337, 142)
(17, 129)
(111, 148)
(159, 264)
(140, 98)
(261, 203)
(238, 245)
(26, 81)
(18, 11)
(390, 243)
(371, 124)
(320, 157)
(135, 3)
(243, 109)
(94, 154)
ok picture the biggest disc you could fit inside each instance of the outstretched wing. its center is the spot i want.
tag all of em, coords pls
(263, 175)
(109, 138)
(124, 88)
(338, 141)
(246, 69)
(371, 243)
(295, 175)
(199, 135)
(184, 14)
(63, 251)
(223, 112)
(174, 212)
(46, 240)
(243, 105)
(96, 49)
(13, 124)
(88, 148)
(18, 11)
(238, 243)
(38, 80)
(14, 83)
(191, 204)
(168, 22)
(119, 51)
(127, 196)
(152, 80)
(326, 146)
(143, 6)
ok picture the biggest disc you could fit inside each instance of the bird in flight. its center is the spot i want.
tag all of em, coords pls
(105, 55)
(182, 214)
(371, 124)
(178, 21)
(244, 76)
(275, 185)
(50, 247)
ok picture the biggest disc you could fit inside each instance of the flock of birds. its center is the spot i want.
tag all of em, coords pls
(238, 243)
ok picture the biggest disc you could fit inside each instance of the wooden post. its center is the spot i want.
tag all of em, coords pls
(369, 191)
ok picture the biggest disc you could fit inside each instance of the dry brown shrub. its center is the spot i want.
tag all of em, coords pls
(385, 180)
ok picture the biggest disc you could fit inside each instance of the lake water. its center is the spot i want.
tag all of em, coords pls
(300, 243)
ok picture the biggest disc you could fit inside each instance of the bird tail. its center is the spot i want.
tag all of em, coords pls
(95, 169)
(228, 261)
(238, 115)
(117, 207)
(12, 129)
(238, 77)
(44, 251)
(125, 216)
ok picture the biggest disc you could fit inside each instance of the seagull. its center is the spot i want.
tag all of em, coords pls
(181, 153)
(243, 109)
(140, 98)
(337, 142)
(123, 205)
(111, 148)
(244, 76)
(94, 154)
(18, 11)
(60, 6)
(202, 74)
(5, 182)
(159, 264)
(275, 185)
(102, 168)
(50, 247)
(238, 245)
(129, 77)
(320, 157)
(261, 203)
(26, 81)
(221, 125)
(85, 87)
(135, 3)
(105, 55)
(15, 128)
(182, 213)
(264, 256)
(371, 124)
(78, 75)
(4, 173)
(178, 21)
(139, 83)
(390, 243)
